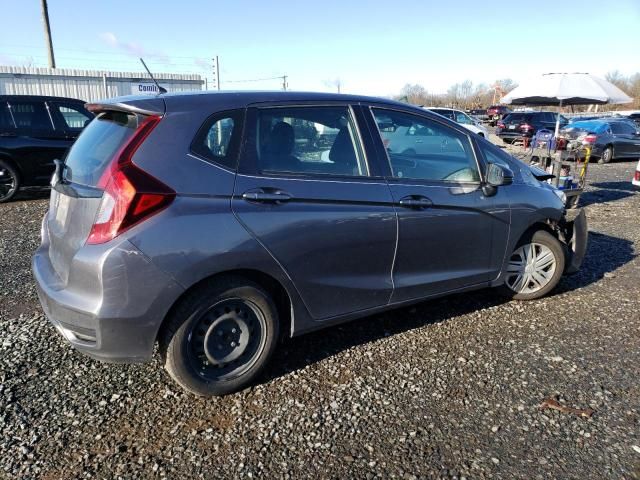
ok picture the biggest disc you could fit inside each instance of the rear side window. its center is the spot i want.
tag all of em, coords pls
(218, 140)
(74, 117)
(97, 145)
(32, 116)
(309, 140)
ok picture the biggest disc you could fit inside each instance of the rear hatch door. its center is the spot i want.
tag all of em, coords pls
(76, 194)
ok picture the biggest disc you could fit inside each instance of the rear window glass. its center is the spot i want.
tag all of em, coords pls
(518, 117)
(97, 145)
(219, 138)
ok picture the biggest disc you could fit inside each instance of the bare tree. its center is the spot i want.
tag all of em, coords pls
(414, 94)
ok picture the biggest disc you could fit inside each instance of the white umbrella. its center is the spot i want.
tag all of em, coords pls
(566, 89)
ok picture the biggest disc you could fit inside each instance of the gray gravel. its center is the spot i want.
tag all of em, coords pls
(448, 389)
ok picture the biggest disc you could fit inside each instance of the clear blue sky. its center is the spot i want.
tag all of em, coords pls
(374, 47)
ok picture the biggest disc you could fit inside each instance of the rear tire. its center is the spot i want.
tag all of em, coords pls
(9, 181)
(220, 336)
(607, 155)
(535, 267)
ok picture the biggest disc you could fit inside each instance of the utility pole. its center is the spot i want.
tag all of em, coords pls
(284, 83)
(47, 33)
(216, 71)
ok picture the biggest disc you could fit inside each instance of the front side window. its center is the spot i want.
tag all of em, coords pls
(32, 116)
(219, 138)
(463, 119)
(439, 153)
(309, 140)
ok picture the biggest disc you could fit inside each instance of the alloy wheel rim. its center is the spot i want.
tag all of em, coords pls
(226, 340)
(7, 182)
(531, 268)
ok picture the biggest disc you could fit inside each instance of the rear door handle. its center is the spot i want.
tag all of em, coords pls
(266, 197)
(417, 202)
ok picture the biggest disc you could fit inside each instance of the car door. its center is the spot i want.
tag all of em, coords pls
(625, 141)
(448, 229)
(37, 142)
(307, 190)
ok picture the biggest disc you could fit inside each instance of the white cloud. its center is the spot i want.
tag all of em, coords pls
(133, 49)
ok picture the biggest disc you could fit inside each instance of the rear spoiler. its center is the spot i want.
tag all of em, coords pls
(147, 109)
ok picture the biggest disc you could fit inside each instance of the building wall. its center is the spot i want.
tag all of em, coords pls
(88, 85)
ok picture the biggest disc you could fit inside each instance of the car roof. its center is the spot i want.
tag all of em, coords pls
(38, 97)
(444, 108)
(258, 96)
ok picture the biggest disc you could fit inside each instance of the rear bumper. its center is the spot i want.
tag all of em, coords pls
(576, 233)
(513, 135)
(116, 318)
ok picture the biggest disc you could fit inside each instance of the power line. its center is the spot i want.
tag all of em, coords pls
(256, 79)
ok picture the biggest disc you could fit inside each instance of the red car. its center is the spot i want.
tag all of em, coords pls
(497, 112)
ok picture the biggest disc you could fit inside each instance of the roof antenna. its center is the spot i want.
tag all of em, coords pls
(160, 89)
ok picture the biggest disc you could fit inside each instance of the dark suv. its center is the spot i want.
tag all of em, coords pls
(217, 223)
(35, 130)
(526, 124)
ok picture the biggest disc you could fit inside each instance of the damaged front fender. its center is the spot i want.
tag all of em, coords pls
(573, 228)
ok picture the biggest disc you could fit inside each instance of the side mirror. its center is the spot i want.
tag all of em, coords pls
(497, 175)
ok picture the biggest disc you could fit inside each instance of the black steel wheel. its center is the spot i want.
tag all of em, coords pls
(220, 336)
(9, 181)
(226, 340)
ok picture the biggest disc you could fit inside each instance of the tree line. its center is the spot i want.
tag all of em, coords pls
(468, 96)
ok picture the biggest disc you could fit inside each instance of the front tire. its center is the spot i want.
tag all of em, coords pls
(9, 181)
(607, 155)
(220, 337)
(535, 267)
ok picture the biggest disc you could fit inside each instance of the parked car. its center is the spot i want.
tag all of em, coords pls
(635, 117)
(636, 176)
(479, 113)
(463, 119)
(35, 130)
(526, 124)
(610, 138)
(195, 221)
(497, 112)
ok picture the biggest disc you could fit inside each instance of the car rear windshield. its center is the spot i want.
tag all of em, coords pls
(97, 145)
(518, 117)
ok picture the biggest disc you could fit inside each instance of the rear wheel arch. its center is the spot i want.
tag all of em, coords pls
(7, 158)
(272, 286)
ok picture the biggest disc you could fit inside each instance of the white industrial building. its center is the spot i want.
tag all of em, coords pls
(89, 85)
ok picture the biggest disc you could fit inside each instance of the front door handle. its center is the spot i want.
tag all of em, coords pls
(417, 202)
(262, 196)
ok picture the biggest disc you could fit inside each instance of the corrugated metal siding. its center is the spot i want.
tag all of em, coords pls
(86, 85)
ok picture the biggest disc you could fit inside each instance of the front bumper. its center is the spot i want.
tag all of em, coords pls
(576, 234)
(116, 316)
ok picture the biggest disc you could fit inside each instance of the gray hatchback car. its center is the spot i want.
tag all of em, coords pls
(216, 224)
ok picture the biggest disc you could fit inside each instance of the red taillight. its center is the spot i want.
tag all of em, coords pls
(130, 194)
(500, 125)
(591, 139)
(526, 127)
(636, 177)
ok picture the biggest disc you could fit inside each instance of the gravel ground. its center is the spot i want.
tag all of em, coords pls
(448, 389)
